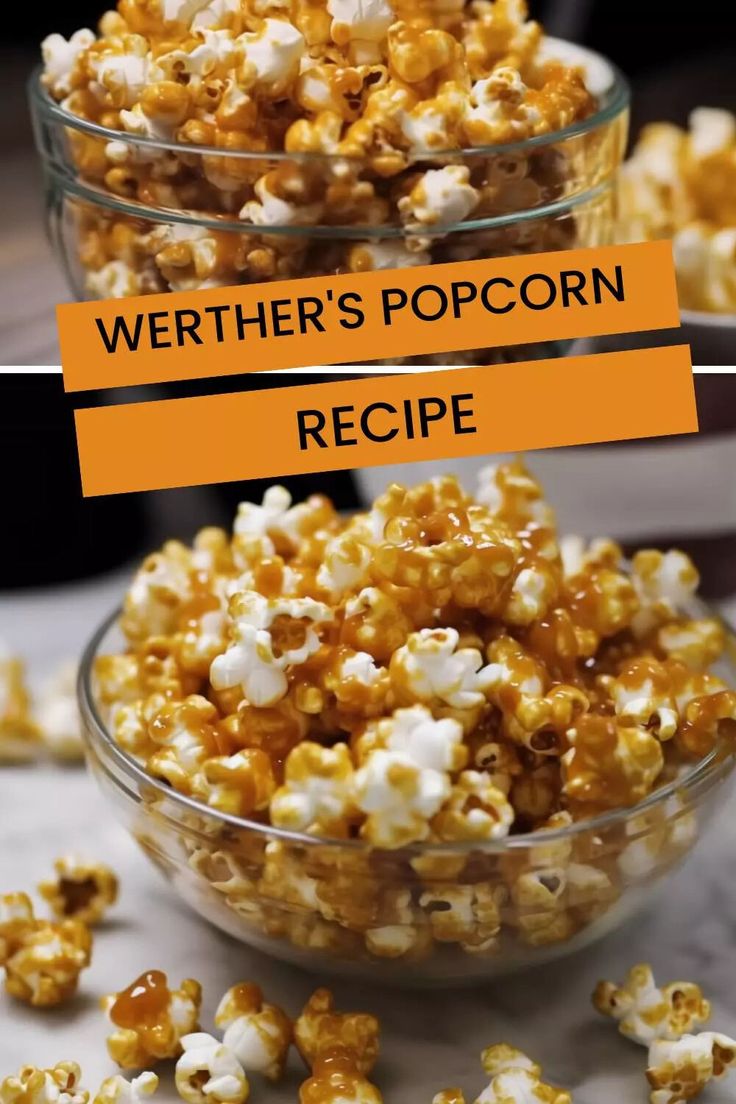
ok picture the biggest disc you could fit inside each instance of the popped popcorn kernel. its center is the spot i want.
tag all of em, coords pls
(258, 1033)
(317, 792)
(679, 184)
(150, 1019)
(680, 1069)
(208, 1072)
(57, 715)
(42, 958)
(610, 764)
(336, 1079)
(19, 735)
(117, 1090)
(59, 1085)
(81, 890)
(645, 1012)
(320, 1030)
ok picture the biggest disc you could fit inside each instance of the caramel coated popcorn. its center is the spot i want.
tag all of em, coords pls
(258, 1033)
(337, 1079)
(42, 958)
(680, 184)
(645, 1012)
(320, 1030)
(401, 695)
(19, 734)
(82, 890)
(515, 1079)
(117, 1090)
(60, 1085)
(150, 1019)
(680, 1069)
(382, 94)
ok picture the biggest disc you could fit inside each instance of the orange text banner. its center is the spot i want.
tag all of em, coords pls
(359, 317)
(427, 416)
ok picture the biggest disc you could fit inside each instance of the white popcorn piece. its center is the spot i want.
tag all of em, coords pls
(59, 1085)
(530, 596)
(665, 583)
(181, 11)
(259, 1034)
(415, 735)
(208, 1072)
(273, 210)
(642, 695)
(215, 14)
(344, 567)
(317, 790)
(398, 797)
(361, 20)
(442, 196)
(57, 714)
(516, 1079)
(60, 57)
(712, 130)
(430, 667)
(274, 52)
(115, 280)
(118, 1090)
(121, 76)
(255, 661)
(645, 1012)
(497, 110)
(253, 521)
(680, 1069)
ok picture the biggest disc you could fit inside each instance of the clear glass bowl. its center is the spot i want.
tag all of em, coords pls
(131, 215)
(424, 915)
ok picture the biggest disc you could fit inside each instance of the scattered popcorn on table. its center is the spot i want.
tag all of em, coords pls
(60, 1085)
(42, 958)
(150, 1019)
(680, 1069)
(57, 714)
(337, 1079)
(515, 1079)
(19, 734)
(394, 697)
(320, 1030)
(680, 184)
(208, 1072)
(259, 1034)
(117, 1090)
(81, 890)
(645, 1013)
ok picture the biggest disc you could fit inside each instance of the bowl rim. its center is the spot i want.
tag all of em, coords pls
(710, 765)
(614, 101)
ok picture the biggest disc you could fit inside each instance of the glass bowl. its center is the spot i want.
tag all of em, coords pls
(130, 215)
(425, 915)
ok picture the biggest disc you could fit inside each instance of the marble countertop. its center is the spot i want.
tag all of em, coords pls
(430, 1040)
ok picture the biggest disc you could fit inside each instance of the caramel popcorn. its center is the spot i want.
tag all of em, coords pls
(337, 1079)
(60, 1085)
(116, 1090)
(57, 714)
(680, 1069)
(645, 1012)
(381, 98)
(150, 1019)
(404, 722)
(258, 1034)
(19, 735)
(208, 1072)
(42, 958)
(320, 1030)
(81, 890)
(680, 184)
(515, 1079)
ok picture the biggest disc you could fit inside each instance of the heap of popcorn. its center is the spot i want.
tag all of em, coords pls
(382, 89)
(681, 184)
(438, 671)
